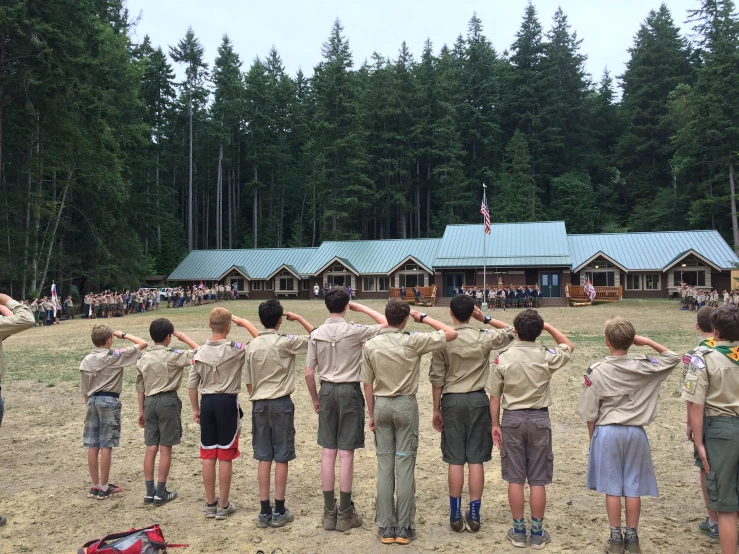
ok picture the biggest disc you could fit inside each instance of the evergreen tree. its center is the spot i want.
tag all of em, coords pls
(573, 202)
(516, 195)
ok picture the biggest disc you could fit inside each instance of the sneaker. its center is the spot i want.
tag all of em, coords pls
(457, 525)
(148, 499)
(348, 519)
(264, 520)
(387, 535)
(280, 520)
(471, 525)
(517, 539)
(223, 513)
(3, 520)
(93, 492)
(110, 491)
(211, 511)
(614, 546)
(405, 535)
(329, 518)
(709, 530)
(632, 546)
(540, 541)
(166, 497)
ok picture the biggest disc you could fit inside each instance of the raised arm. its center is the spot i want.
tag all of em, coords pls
(644, 341)
(449, 333)
(559, 337)
(295, 317)
(141, 343)
(241, 322)
(182, 337)
(377, 316)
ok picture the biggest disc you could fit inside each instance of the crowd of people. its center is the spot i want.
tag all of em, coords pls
(477, 405)
(694, 298)
(502, 298)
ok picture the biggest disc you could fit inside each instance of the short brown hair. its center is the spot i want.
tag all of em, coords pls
(396, 311)
(100, 334)
(528, 324)
(620, 333)
(704, 319)
(219, 320)
(725, 322)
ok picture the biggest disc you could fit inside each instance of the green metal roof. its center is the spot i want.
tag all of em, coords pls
(258, 263)
(540, 244)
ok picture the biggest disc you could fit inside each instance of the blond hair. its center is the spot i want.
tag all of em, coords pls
(620, 333)
(220, 319)
(100, 334)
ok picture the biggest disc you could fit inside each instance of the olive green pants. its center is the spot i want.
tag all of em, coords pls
(396, 442)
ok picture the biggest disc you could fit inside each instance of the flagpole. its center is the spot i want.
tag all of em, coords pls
(484, 250)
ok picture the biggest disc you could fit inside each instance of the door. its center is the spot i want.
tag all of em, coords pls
(453, 281)
(549, 285)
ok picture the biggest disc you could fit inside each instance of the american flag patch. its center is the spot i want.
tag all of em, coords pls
(686, 359)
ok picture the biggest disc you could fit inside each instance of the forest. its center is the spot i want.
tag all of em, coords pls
(112, 168)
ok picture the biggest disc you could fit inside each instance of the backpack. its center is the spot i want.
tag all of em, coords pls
(136, 541)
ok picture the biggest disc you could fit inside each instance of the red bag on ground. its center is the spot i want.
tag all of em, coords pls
(136, 541)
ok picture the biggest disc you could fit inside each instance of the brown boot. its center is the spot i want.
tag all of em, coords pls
(348, 519)
(329, 517)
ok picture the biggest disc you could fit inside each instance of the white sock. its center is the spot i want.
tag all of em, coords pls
(104, 487)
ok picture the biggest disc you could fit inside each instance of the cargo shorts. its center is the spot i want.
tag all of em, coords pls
(341, 416)
(273, 430)
(526, 453)
(162, 419)
(722, 449)
(102, 422)
(466, 436)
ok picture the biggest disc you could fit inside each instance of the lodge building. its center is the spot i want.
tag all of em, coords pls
(637, 265)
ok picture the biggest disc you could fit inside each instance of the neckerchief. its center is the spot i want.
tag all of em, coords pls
(710, 342)
(731, 352)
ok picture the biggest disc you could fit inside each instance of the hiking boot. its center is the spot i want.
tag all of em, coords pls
(329, 517)
(223, 513)
(110, 491)
(709, 530)
(264, 520)
(632, 546)
(517, 539)
(348, 519)
(387, 535)
(614, 546)
(539, 541)
(280, 520)
(405, 535)
(166, 497)
(457, 525)
(211, 511)
(93, 493)
(472, 525)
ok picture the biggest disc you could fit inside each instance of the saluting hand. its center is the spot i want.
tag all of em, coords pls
(118, 334)
(641, 341)
(477, 314)
(416, 315)
(291, 316)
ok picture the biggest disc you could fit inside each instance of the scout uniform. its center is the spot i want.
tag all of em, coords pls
(21, 320)
(461, 371)
(705, 346)
(392, 362)
(69, 305)
(270, 370)
(159, 377)
(713, 381)
(216, 370)
(101, 381)
(520, 377)
(335, 351)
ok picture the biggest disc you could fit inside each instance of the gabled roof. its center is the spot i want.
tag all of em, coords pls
(682, 255)
(291, 269)
(541, 244)
(257, 263)
(239, 268)
(332, 261)
(599, 254)
(655, 251)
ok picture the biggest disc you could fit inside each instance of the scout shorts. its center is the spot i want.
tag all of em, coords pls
(341, 416)
(722, 449)
(102, 422)
(162, 420)
(220, 417)
(2, 407)
(273, 430)
(466, 437)
(526, 453)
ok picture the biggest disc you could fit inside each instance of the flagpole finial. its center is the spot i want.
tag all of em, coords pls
(483, 186)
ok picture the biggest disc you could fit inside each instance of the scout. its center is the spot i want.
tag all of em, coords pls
(390, 371)
(458, 375)
(704, 326)
(216, 370)
(519, 382)
(711, 387)
(618, 399)
(269, 373)
(101, 383)
(159, 378)
(335, 350)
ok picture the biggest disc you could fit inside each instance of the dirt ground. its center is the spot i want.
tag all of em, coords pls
(44, 479)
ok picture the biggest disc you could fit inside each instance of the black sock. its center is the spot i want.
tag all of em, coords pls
(266, 508)
(280, 506)
(211, 505)
(150, 488)
(161, 487)
(329, 500)
(345, 500)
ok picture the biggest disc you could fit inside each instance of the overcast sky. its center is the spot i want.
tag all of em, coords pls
(298, 28)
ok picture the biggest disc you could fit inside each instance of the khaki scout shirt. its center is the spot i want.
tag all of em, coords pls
(392, 360)
(623, 390)
(160, 369)
(335, 349)
(270, 364)
(217, 367)
(463, 366)
(520, 375)
(713, 381)
(21, 320)
(102, 369)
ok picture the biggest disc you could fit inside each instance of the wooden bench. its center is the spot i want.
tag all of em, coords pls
(576, 294)
(286, 293)
(427, 299)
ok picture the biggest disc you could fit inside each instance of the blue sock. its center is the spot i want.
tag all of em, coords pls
(519, 526)
(455, 508)
(475, 510)
(536, 524)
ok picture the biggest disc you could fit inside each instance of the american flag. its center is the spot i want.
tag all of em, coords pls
(485, 213)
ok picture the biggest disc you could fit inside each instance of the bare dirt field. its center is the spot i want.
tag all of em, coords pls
(44, 479)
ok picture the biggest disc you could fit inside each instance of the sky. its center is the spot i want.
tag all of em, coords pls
(298, 28)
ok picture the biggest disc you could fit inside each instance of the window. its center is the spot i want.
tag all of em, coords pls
(336, 268)
(305, 284)
(692, 278)
(238, 282)
(286, 283)
(369, 284)
(601, 278)
(256, 285)
(410, 266)
(269, 284)
(633, 282)
(600, 263)
(383, 284)
(651, 281)
(410, 280)
(690, 262)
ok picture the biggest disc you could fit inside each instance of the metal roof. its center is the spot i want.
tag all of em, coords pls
(540, 244)
(652, 251)
(257, 263)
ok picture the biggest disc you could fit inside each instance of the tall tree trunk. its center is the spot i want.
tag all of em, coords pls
(189, 184)
(255, 209)
(230, 207)
(428, 200)
(219, 200)
(56, 224)
(159, 223)
(26, 251)
(732, 188)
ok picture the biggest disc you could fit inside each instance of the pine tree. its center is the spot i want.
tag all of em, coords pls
(573, 202)
(516, 195)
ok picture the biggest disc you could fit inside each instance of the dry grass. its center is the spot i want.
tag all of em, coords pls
(44, 480)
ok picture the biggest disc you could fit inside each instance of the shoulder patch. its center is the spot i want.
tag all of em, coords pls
(588, 382)
(551, 350)
(237, 345)
(688, 357)
(485, 331)
(697, 361)
(652, 359)
(177, 351)
(290, 336)
(497, 360)
(414, 332)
